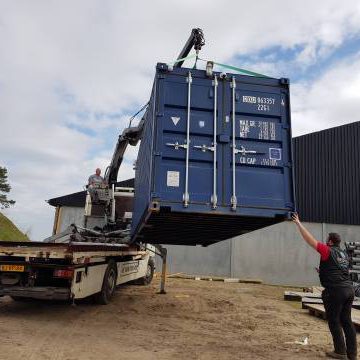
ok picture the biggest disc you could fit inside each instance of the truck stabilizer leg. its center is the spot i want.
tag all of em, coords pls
(163, 255)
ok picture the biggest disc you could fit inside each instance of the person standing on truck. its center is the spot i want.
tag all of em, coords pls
(338, 293)
(95, 181)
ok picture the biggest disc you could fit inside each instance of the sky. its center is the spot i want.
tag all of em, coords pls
(72, 72)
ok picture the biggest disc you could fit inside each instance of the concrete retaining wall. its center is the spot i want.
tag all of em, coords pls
(276, 254)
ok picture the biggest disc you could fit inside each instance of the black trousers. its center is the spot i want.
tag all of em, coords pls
(338, 302)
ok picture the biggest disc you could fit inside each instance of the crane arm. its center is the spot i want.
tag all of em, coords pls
(195, 40)
(130, 136)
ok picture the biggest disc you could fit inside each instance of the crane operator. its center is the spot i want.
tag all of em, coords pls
(95, 182)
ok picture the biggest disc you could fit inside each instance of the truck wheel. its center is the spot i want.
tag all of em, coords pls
(146, 280)
(109, 284)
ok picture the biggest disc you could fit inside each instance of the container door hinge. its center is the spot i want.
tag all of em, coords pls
(289, 205)
(157, 154)
(288, 165)
(286, 126)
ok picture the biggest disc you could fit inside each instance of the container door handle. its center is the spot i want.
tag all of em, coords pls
(186, 193)
(177, 146)
(233, 197)
(204, 148)
(243, 151)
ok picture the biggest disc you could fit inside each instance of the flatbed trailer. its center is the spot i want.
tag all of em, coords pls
(71, 271)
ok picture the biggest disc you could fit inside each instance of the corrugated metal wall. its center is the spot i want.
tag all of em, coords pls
(327, 173)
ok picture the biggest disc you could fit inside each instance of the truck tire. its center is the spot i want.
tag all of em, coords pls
(108, 285)
(146, 280)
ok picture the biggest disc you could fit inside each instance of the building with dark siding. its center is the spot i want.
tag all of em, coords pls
(327, 173)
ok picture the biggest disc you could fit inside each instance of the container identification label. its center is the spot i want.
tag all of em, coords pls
(259, 102)
(173, 178)
(263, 103)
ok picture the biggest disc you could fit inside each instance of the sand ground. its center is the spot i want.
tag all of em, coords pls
(194, 320)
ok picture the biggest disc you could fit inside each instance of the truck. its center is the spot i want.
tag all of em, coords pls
(79, 262)
(71, 271)
(93, 259)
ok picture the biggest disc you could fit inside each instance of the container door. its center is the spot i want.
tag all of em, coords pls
(258, 169)
(187, 149)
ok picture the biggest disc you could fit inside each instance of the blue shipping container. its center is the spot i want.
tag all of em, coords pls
(215, 158)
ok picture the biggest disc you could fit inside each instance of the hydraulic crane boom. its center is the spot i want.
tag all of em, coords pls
(132, 135)
(195, 40)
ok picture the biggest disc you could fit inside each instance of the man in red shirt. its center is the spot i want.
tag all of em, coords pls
(338, 293)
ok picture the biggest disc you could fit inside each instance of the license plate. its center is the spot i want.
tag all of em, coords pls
(15, 268)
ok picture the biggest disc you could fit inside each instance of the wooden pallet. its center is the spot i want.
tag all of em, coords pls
(307, 301)
(317, 289)
(319, 311)
(316, 310)
(311, 298)
(298, 295)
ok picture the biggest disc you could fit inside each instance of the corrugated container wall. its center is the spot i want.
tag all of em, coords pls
(215, 158)
(327, 170)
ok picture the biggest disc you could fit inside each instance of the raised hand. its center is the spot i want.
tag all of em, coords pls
(295, 218)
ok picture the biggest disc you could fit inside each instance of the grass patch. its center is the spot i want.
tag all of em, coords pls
(9, 232)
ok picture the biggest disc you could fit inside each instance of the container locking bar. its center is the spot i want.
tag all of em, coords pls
(186, 193)
(233, 197)
(214, 196)
(212, 148)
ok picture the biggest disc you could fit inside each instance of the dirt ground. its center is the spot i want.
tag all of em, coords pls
(194, 320)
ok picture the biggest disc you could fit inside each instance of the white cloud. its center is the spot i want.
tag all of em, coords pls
(66, 65)
(332, 100)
